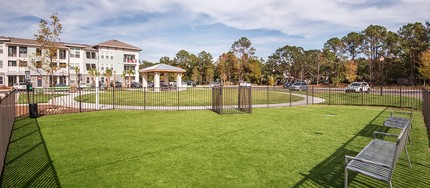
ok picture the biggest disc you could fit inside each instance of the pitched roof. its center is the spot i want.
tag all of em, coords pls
(29, 42)
(162, 68)
(118, 44)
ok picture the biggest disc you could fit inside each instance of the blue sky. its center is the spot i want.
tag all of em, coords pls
(163, 27)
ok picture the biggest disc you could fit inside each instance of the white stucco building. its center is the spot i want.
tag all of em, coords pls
(17, 54)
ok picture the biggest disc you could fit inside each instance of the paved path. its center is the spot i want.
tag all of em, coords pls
(68, 101)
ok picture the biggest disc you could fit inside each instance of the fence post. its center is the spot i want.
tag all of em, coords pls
(80, 99)
(307, 96)
(267, 96)
(144, 98)
(400, 97)
(313, 95)
(177, 89)
(290, 96)
(362, 98)
(329, 95)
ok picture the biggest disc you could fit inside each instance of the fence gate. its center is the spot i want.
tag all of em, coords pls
(230, 100)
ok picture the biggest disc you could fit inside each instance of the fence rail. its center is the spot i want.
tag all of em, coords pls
(59, 101)
(426, 110)
(7, 118)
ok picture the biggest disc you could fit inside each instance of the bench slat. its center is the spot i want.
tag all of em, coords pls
(379, 151)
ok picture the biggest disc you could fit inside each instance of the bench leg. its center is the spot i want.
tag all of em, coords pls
(407, 155)
(346, 178)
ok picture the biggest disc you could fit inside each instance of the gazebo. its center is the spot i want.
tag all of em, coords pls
(157, 70)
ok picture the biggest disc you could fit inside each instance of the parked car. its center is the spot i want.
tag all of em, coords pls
(61, 87)
(358, 87)
(83, 85)
(299, 86)
(150, 84)
(191, 83)
(244, 84)
(117, 84)
(20, 86)
(287, 84)
(135, 84)
(213, 84)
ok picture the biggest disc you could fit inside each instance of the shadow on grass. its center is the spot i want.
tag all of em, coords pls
(329, 173)
(28, 163)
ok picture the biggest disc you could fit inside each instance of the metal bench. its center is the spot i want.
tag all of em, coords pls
(399, 122)
(378, 159)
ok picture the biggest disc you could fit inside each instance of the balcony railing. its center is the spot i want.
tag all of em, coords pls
(129, 60)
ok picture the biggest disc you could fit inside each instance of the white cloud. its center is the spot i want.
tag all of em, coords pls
(155, 25)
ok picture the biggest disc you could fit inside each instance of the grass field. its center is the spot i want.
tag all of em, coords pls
(190, 97)
(38, 98)
(277, 147)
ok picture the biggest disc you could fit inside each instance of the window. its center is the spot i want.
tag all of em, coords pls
(22, 63)
(111, 57)
(1, 80)
(54, 65)
(38, 51)
(75, 53)
(102, 56)
(12, 63)
(22, 51)
(63, 65)
(88, 80)
(1, 47)
(129, 58)
(21, 78)
(62, 54)
(38, 64)
(1, 64)
(91, 55)
(12, 51)
(90, 66)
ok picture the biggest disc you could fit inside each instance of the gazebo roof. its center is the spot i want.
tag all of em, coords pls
(162, 68)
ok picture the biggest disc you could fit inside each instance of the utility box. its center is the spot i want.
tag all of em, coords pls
(33, 111)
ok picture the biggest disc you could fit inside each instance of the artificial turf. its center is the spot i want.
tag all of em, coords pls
(277, 147)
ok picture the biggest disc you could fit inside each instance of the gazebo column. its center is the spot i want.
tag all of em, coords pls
(166, 78)
(156, 81)
(179, 81)
(144, 80)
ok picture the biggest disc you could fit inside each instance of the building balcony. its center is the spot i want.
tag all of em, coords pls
(130, 61)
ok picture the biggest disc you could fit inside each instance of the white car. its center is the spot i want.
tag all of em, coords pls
(20, 86)
(358, 87)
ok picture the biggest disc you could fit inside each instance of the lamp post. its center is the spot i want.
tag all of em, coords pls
(381, 60)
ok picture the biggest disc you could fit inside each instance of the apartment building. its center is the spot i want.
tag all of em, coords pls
(17, 55)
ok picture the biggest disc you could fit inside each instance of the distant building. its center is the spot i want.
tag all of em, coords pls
(17, 54)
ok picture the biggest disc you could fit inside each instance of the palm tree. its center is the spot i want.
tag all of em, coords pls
(123, 77)
(77, 72)
(108, 74)
(129, 72)
(93, 73)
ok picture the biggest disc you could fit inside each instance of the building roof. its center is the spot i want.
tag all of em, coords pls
(28, 42)
(118, 44)
(162, 68)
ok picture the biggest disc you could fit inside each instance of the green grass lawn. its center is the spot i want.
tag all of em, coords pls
(190, 97)
(38, 98)
(276, 147)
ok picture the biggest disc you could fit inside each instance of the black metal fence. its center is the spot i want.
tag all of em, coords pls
(229, 100)
(7, 118)
(65, 100)
(426, 110)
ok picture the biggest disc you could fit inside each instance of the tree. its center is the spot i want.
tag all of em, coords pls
(129, 72)
(337, 49)
(243, 51)
(93, 73)
(196, 75)
(415, 40)
(77, 73)
(374, 37)
(352, 43)
(227, 66)
(108, 74)
(424, 69)
(350, 71)
(48, 37)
